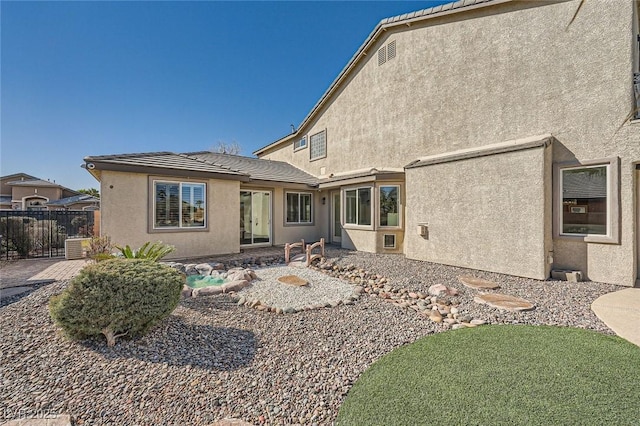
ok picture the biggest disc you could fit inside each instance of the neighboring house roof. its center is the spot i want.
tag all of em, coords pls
(257, 169)
(16, 176)
(406, 19)
(204, 162)
(35, 182)
(83, 198)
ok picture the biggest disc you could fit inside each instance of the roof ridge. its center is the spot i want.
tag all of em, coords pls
(244, 157)
(127, 155)
(211, 163)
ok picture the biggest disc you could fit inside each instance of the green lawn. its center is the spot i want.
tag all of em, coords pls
(504, 374)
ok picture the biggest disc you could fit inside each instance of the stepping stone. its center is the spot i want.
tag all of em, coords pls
(504, 301)
(477, 283)
(293, 280)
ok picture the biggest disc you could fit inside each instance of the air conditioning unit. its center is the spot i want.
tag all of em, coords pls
(76, 248)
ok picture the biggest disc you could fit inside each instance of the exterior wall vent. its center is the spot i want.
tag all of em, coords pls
(389, 241)
(387, 52)
(391, 50)
(382, 55)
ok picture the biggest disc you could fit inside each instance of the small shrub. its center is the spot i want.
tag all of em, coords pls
(148, 251)
(100, 248)
(115, 298)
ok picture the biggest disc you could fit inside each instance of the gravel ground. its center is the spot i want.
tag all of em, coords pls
(321, 288)
(213, 359)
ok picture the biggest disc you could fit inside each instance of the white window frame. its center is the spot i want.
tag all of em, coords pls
(379, 207)
(311, 145)
(613, 201)
(286, 208)
(180, 226)
(357, 213)
(300, 144)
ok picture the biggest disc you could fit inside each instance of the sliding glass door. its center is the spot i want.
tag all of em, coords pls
(255, 217)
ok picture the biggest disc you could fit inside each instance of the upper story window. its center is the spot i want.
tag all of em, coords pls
(300, 143)
(298, 207)
(358, 206)
(389, 205)
(179, 205)
(587, 203)
(318, 145)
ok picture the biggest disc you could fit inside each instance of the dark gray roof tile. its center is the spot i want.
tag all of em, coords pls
(256, 168)
(163, 160)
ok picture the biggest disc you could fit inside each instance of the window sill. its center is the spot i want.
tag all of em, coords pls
(299, 149)
(358, 227)
(174, 230)
(286, 224)
(595, 239)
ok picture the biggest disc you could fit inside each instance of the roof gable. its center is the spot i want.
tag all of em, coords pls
(384, 25)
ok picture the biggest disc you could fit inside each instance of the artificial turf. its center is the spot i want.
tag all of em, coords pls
(501, 375)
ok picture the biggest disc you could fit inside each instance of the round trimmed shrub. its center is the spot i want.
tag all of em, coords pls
(117, 297)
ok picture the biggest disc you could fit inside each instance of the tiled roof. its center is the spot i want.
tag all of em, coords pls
(383, 25)
(210, 162)
(34, 182)
(258, 169)
(164, 160)
(16, 176)
(83, 198)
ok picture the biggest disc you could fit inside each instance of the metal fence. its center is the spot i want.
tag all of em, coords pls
(29, 234)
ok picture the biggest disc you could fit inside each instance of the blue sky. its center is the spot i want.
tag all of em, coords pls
(92, 78)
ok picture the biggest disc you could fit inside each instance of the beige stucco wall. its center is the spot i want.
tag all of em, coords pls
(501, 73)
(125, 203)
(20, 192)
(489, 213)
(494, 74)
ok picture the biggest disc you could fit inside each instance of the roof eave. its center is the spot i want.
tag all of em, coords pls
(130, 168)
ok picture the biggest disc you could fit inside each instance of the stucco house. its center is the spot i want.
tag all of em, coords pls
(499, 135)
(21, 191)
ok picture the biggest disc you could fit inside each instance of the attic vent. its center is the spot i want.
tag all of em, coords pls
(391, 50)
(382, 55)
(387, 52)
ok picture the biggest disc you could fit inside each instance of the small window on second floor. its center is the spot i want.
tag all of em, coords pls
(318, 145)
(300, 143)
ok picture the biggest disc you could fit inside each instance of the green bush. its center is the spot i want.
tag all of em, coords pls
(115, 298)
(148, 251)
